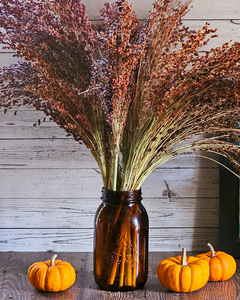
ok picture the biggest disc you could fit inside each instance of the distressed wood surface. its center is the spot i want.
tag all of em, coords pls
(42, 163)
(61, 153)
(79, 213)
(87, 183)
(81, 239)
(14, 283)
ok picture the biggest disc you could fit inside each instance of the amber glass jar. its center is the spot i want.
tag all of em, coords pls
(121, 241)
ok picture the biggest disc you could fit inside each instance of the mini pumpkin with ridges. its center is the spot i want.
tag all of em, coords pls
(222, 265)
(183, 274)
(51, 275)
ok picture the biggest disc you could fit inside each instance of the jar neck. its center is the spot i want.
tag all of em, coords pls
(121, 196)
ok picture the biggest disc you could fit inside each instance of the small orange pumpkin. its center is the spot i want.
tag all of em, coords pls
(222, 265)
(51, 275)
(183, 274)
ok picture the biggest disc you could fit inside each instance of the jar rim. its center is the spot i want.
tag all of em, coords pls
(119, 196)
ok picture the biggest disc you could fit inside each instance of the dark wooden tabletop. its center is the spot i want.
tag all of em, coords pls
(14, 283)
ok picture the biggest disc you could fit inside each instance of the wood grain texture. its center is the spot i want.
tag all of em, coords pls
(14, 283)
(60, 153)
(79, 213)
(81, 239)
(70, 183)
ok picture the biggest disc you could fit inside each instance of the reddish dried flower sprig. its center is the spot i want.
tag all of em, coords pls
(133, 93)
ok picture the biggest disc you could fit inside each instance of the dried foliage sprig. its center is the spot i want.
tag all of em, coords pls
(134, 93)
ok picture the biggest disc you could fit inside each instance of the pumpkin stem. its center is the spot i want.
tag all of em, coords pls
(211, 249)
(184, 258)
(53, 260)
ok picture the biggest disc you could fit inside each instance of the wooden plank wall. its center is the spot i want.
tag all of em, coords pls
(50, 185)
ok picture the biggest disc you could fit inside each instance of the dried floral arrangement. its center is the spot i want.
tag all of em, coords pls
(133, 93)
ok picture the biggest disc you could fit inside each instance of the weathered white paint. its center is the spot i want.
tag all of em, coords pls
(80, 240)
(70, 183)
(79, 213)
(63, 153)
(50, 186)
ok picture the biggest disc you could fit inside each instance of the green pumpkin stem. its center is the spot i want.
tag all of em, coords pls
(184, 258)
(211, 249)
(53, 260)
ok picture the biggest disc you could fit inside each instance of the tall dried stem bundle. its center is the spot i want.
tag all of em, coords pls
(133, 93)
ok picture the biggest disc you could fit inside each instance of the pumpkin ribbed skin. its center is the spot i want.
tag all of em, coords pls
(183, 278)
(222, 265)
(51, 275)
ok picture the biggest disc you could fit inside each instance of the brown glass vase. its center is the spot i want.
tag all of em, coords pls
(121, 241)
